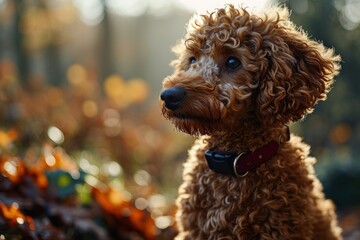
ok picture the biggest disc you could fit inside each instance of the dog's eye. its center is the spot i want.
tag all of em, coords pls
(232, 63)
(192, 60)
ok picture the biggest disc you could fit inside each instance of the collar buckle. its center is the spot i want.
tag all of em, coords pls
(235, 166)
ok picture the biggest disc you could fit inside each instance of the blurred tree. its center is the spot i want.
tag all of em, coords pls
(53, 63)
(21, 56)
(106, 57)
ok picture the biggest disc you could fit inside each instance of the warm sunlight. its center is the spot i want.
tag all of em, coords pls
(205, 5)
(91, 10)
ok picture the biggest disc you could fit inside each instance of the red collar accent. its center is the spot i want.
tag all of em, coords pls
(240, 164)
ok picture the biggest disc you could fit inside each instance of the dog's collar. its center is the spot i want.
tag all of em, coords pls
(240, 164)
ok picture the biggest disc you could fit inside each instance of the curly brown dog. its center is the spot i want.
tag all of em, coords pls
(240, 78)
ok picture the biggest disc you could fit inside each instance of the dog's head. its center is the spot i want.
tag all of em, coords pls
(234, 66)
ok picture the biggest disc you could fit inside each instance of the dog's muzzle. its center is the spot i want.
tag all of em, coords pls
(173, 97)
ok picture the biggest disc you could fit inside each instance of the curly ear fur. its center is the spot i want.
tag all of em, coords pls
(299, 72)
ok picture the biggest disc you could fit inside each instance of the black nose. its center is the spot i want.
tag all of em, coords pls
(173, 97)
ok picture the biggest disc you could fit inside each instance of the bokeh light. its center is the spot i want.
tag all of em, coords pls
(91, 12)
(132, 8)
(112, 169)
(76, 74)
(89, 168)
(141, 203)
(56, 135)
(10, 167)
(114, 86)
(349, 13)
(142, 178)
(50, 160)
(112, 122)
(90, 108)
(137, 90)
(163, 222)
(341, 134)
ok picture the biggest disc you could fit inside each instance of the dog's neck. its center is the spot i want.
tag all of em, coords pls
(246, 137)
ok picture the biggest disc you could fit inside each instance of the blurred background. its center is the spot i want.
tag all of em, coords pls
(79, 86)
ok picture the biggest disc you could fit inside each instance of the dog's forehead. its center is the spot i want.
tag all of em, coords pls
(218, 41)
(213, 48)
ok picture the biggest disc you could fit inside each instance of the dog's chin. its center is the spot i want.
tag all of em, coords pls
(193, 125)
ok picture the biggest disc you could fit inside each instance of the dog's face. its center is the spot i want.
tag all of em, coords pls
(234, 67)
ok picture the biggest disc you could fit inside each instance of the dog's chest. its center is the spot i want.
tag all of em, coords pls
(205, 189)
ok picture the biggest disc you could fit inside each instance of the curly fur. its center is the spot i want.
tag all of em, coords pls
(283, 74)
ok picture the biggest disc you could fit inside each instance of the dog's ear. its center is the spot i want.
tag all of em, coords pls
(298, 72)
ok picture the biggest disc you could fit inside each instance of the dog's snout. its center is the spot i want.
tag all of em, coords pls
(172, 97)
